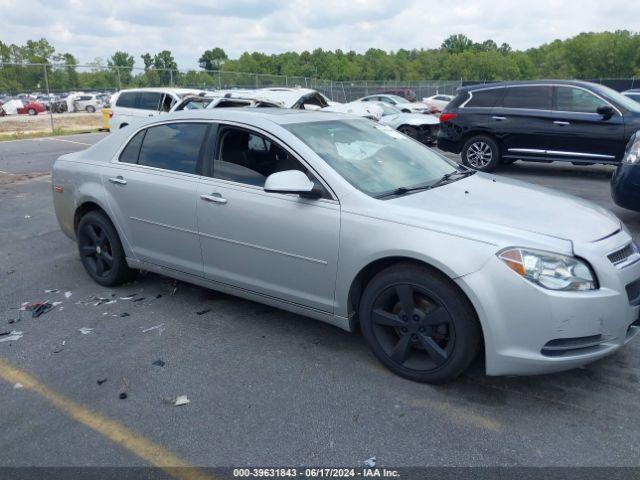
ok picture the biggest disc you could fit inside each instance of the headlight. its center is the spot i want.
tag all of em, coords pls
(549, 270)
(632, 155)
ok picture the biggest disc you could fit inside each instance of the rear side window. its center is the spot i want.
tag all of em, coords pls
(485, 98)
(570, 99)
(148, 100)
(534, 97)
(126, 99)
(174, 146)
(132, 150)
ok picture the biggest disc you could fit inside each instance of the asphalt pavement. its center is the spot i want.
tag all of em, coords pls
(266, 387)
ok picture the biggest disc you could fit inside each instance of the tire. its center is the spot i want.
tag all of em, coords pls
(481, 153)
(101, 251)
(32, 111)
(408, 130)
(90, 109)
(437, 341)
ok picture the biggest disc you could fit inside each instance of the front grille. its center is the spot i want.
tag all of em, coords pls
(621, 255)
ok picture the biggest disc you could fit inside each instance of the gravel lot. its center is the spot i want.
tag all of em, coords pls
(42, 122)
(266, 387)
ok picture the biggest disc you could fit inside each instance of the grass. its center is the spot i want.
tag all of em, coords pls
(57, 132)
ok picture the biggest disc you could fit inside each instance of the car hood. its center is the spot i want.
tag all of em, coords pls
(503, 202)
(409, 119)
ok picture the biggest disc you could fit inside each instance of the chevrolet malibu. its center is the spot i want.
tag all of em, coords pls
(353, 223)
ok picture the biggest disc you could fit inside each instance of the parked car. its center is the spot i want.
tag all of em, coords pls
(352, 223)
(199, 102)
(285, 97)
(369, 110)
(438, 102)
(625, 182)
(633, 94)
(89, 103)
(128, 105)
(30, 108)
(539, 121)
(406, 93)
(423, 128)
(398, 102)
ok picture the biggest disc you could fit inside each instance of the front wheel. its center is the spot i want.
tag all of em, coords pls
(90, 109)
(32, 111)
(481, 153)
(418, 324)
(101, 252)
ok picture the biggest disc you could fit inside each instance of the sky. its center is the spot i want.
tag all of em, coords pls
(97, 28)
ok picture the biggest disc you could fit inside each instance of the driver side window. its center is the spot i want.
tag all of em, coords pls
(569, 99)
(249, 158)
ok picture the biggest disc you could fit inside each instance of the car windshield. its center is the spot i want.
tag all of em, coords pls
(374, 158)
(388, 109)
(623, 101)
(397, 99)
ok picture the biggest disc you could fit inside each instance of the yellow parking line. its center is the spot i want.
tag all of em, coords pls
(114, 431)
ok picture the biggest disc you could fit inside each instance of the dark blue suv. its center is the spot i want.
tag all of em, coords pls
(540, 121)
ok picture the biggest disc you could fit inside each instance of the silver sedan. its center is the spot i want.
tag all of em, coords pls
(352, 223)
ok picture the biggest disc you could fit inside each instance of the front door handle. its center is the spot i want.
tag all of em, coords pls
(214, 197)
(119, 180)
(562, 124)
(499, 119)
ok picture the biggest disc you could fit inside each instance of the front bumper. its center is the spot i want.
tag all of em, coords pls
(530, 330)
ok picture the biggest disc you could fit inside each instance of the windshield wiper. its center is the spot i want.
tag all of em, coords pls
(446, 178)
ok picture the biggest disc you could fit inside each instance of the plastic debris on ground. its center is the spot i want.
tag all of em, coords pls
(18, 386)
(38, 308)
(159, 363)
(202, 312)
(128, 297)
(52, 290)
(67, 294)
(100, 381)
(11, 336)
(159, 328)
(177, 401)
(370, 462)
(85, 330)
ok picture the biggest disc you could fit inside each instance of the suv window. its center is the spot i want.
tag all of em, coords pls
(148, 100)
(127, 99)
(533, 97)
(132, 150)
(249, 158)
(173, 146)
(570, 99)
(485, 98)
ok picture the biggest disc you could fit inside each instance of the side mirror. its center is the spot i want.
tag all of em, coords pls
(606, 111)
(289, 181)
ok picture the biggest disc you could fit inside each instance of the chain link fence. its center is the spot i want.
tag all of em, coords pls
(50, 84)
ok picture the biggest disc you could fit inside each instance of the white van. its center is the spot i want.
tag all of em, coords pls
(129, 104)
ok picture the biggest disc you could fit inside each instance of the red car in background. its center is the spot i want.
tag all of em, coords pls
(31, 108)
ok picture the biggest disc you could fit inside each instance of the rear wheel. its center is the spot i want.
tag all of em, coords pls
(100, 250)
(418, 324)
(32, 111)
(481, 153)
(90, 109)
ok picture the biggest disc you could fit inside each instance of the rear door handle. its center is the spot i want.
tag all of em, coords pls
(119, 180)
(214, 197)
(499, 119)
(562, 124)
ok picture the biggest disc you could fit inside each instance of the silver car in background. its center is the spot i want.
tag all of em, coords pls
(353, 223)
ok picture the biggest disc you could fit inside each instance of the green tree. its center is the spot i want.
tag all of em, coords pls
(122, 63)
(457, 43)
(212, 59)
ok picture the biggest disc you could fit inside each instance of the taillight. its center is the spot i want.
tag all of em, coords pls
(110, 113)
(445, 117)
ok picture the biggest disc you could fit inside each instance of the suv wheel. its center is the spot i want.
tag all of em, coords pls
(90, 109)
(101, 252)
(481, 153)
(418, 324)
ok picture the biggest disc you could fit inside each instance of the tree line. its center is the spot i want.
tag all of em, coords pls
(587, 56)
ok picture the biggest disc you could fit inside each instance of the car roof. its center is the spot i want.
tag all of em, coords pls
(280, 116)
(480, 86)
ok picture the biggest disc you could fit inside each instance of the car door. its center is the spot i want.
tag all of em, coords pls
(152, 190)
(278, 245)
(148, 104)
(579, 132)
(520, 121)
